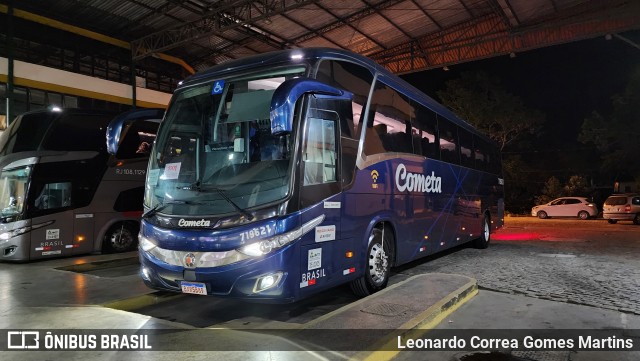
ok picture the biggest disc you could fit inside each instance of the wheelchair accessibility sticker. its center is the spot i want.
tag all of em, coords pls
(218, 87)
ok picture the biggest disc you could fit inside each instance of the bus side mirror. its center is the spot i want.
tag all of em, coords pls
(117, 126)
(287, 94)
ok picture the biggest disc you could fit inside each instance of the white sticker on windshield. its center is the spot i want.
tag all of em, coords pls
(171, 171)
(154, 174)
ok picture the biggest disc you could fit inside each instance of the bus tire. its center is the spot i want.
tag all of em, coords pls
(485, 234)
(377, 266)
(121, 237)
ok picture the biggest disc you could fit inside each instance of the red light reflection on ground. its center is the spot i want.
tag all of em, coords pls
(516, 236)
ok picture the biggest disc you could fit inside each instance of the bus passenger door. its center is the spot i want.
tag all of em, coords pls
(320, 193)
(52, 221)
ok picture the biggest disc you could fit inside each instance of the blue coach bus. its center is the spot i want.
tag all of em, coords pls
(277, 176)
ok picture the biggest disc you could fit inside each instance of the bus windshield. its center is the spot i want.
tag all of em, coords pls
(13, 185)
(215, 153)
(25, 133)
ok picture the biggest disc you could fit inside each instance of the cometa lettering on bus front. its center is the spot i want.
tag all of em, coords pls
(417, 182)
(199, 223)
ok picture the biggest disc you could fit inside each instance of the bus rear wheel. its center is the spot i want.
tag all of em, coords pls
(485, 236)
(378, 264)
(120, 237)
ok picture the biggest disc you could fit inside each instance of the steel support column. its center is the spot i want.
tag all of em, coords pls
(9, 101)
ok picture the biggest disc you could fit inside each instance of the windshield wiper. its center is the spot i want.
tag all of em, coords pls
(160, 206)
(198, 188)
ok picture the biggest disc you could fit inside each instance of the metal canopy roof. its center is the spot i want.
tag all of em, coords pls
(403, 35)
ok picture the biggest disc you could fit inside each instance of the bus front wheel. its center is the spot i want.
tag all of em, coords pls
(121, 237)
(377, 265)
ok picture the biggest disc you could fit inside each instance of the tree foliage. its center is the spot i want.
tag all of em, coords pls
(617, 135)
(577, 186)
(482, 101)
(552, 190)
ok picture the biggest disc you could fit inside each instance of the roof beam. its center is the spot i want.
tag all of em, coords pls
(308, 29)
(504, 9)
(217, 20)
(344, 21)
(426, 14)
(489, 36)
(356, 16)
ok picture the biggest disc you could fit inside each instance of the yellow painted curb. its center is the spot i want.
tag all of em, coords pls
(425, 321)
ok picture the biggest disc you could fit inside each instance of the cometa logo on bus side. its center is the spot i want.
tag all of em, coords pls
(407, 181)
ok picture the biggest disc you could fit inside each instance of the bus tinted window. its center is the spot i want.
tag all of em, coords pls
(427, 124)
(466, 145)
(389, 124)
(481, 151)
(78, 132)
(448, 141)
(352, 78)
(25, 133)
(54, 195)
(137, 140)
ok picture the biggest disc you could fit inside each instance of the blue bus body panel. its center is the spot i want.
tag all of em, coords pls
(448, 213)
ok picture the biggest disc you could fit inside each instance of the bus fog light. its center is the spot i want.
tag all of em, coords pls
(267, 281)
(146, 274)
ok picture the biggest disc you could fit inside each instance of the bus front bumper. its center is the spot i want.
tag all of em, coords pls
(263, 279)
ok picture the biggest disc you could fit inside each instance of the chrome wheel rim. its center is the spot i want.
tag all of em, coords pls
(378, 264)
(487, 231)
(121, 240)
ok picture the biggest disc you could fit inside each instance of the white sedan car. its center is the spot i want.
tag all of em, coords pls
(566, 207)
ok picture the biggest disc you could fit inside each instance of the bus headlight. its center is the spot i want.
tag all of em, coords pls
(268, 245)
(5, 236)
(145, 243)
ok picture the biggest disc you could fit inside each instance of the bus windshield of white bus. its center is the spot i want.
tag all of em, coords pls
(215, 153)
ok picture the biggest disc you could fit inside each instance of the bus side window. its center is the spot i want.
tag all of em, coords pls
(54, 195)
(319, 154)
(466, 146)
(427, 124)
(137, 140)
(480, 150)
(391, 123)
(353, 78)
(448, 134)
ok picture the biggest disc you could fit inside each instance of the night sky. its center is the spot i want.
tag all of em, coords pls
(566, 82)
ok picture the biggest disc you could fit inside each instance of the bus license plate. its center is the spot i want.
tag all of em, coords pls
(195, 288)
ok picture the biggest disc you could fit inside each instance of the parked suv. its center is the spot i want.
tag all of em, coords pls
(622, 207)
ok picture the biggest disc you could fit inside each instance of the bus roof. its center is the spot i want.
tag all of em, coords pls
(310, 55)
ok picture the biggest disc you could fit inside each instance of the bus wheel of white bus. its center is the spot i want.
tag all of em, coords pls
(119, 238)
(378, 264)
(485, 235)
